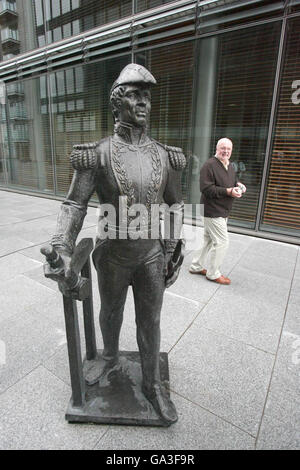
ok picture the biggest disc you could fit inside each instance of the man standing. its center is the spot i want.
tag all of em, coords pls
(219, 188)
(128, 166)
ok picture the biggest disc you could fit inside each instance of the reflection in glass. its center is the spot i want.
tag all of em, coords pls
(236, 74)
(218, 15)
(70, 17)
(172, 96)
(142, 5)
(80, 110)
(294, 5)
(3, 135)
(29, 158)
(282, 201)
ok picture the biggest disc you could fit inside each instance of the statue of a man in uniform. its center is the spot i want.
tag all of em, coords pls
(128, 166)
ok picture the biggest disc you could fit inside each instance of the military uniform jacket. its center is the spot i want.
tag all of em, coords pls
(147, 173)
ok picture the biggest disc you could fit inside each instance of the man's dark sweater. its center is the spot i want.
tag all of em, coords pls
(214, 179)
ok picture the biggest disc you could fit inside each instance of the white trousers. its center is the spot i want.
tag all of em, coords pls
(211, 255)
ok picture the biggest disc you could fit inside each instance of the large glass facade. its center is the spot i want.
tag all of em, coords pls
(142, 5)
(26, 136)
(222, 68)
(29, 24)
(171, 112)
(282, 200)
(234, 96)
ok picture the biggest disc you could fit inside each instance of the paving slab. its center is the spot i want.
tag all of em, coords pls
(283, 404)
(22, 295)
(193, 286)
(292, 318)
(278, 266)
(28, 341)
(248, 310)
(224, 376)
(14, 264)
(34, 252)
(38, 276)
(297, 270)
(196, 429)
(7, 219)
(12, 244)
(276, 435)
(32, 417)
(287, 365)
(273, 249)
(295, 291)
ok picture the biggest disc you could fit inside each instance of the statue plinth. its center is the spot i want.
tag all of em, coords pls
(118, 398)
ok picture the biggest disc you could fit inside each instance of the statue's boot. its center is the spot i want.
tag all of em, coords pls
(94, 369)
(161, 403)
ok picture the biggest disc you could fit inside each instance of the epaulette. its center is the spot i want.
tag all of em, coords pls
(83, 156)
(176, 157)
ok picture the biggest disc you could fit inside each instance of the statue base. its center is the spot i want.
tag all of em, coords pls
(117, 397)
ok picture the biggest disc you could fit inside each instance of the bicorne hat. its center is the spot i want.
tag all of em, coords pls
(134, 73)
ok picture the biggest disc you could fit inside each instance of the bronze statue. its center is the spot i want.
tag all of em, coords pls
(132, 167)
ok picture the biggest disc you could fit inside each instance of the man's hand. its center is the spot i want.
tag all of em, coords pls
(234, 192)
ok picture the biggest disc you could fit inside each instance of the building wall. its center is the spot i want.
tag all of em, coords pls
(222, 70)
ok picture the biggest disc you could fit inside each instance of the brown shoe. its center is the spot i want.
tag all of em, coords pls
(221, 280)
(203, 272)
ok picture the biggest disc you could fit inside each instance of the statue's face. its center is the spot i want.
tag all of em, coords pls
(135, 105)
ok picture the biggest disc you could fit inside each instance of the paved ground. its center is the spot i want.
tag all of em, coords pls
(234, 351)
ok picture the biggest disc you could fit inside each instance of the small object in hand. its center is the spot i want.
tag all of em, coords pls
(242, 187)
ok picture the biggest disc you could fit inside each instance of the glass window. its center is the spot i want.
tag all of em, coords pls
(3, 136)
(75, 4)
(39, 12)
(55, 8)
(171, 109)
(142, 5)
(67, 30)
(294, 5)
(65, 6)
(76, 27)
(83, 15)
(47, 4)
(234, 91)
(86, 117)
(60, 80)
(29, 162)
(217, 15)
(282, 200)
(57, 34)
(43, 87)
(70, 81)
(41, 40)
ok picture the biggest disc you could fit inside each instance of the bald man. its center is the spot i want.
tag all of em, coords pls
(219, 188)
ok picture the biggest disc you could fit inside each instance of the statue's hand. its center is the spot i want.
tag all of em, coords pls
(173, 262)
(58, 264)
(171, 277)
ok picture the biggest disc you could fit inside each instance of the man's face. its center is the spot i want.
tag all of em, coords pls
(224, 150)
(135, 105)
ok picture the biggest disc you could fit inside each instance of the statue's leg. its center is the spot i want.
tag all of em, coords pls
(148, 288)
(113, 282)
